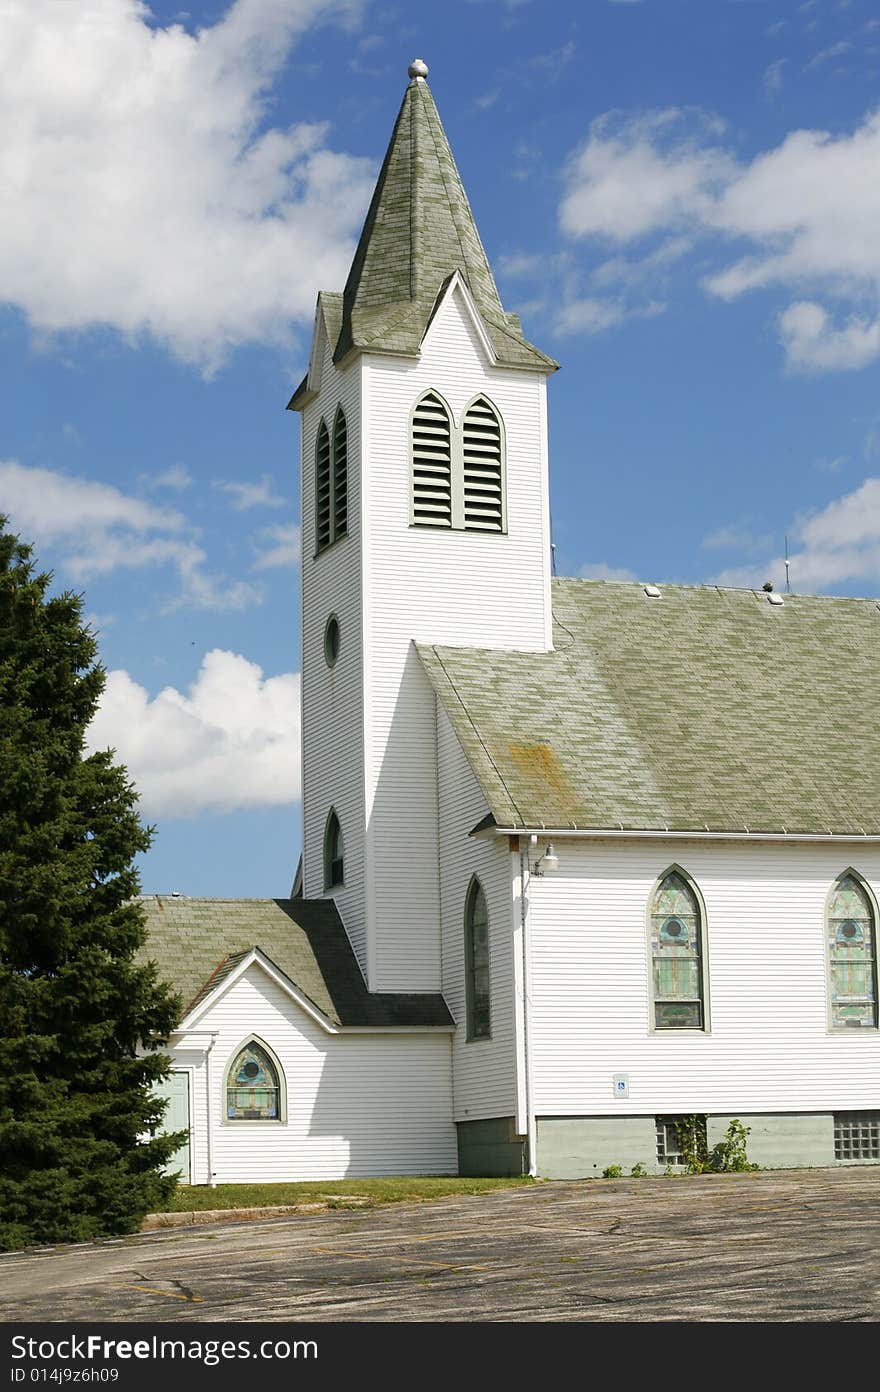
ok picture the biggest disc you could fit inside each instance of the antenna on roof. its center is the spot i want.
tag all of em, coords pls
(787, 569)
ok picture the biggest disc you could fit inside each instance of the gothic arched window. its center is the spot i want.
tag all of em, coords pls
(331, 482)
(476, 962)
(334, 865)
(677, 968)
(852, 955)
(323, 501)
(431, 444)
(340, 475)
(253, 1085)
(482, 447)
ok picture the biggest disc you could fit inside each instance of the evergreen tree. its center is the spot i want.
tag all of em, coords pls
(79, 1154)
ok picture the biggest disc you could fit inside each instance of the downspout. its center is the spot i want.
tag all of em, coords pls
(531, 1127)
(209, 1085)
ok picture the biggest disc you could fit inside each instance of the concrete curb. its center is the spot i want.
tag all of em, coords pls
(194, 1217)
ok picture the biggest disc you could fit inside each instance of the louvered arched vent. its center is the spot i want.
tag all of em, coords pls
(323, 534)
(483, 475)
(431, 463)
(340, 476)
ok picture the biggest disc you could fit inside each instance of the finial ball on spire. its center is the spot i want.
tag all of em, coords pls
(417, 68)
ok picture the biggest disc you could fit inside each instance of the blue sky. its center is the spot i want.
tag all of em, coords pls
(681, 198)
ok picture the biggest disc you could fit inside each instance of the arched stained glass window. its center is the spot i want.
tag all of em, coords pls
(476, 962)
(677, 955)
(852, 955)
(252, 1086)
(334, 862)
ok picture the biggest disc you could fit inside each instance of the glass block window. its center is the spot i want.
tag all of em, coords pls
(669, 1138)
(476, 957)
(677, 955)
(252, 1091)
(852, 956)
(334, 853)
(857, 1135)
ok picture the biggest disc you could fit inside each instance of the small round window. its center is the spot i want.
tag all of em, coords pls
(331, 641)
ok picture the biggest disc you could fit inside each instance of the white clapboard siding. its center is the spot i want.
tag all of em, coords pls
(435, 585)
(356, 1105)
(768, 1047)
(484, 1070)
(332, 697)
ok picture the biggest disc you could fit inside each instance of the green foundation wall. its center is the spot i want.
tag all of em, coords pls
(491, 1147)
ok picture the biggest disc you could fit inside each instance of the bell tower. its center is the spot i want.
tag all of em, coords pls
(425, 520)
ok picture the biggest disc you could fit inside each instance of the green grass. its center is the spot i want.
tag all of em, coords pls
(333, 1192)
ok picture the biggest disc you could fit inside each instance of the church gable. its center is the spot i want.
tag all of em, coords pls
(202, 946)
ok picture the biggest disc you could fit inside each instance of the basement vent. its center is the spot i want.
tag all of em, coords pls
(431, 463)
(857, 1135)
(482, 460)
(322, 489)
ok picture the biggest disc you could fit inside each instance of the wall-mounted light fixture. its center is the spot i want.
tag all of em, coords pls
(548, 863)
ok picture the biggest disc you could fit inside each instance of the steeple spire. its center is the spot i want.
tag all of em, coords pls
(418, 231)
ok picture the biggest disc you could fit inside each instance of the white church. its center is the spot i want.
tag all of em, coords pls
(581, 858)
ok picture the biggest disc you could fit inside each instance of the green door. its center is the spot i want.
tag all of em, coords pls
(176, 1089)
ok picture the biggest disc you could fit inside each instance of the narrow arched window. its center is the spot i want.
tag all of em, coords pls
(340, 476)
(483, 468)
(334, 866)
(323, 500)
(253, 1085)
(476, 962)
(852, 955)
(677, 955)
(431, 463)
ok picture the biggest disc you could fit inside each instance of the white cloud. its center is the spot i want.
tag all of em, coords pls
(773, 76)
(739, 537)
(599, 570)
(813, 344)
(247, 495)
(807, 211)
(826, 55)
(279, 546)
(639, 174)
(231, 742)
(148, 195)
(588, 315)
(99, 530)
(178, 478)
(838, 545)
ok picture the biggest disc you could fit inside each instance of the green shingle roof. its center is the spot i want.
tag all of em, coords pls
(418, 231)
(705, 710)
(197, 942)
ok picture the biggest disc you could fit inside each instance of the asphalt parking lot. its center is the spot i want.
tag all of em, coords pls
(774, 1246)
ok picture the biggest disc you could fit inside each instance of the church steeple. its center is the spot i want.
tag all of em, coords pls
(418, 231)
